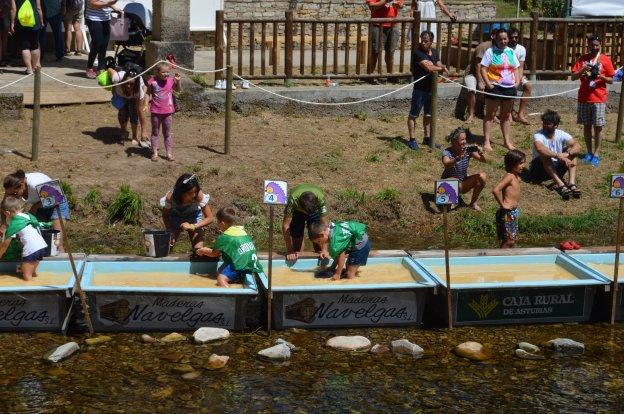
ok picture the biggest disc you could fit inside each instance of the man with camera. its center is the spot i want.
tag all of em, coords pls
(595, 70)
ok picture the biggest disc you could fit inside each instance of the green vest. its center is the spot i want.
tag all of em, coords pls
(344, 235)
(237, 248)
(292, 204)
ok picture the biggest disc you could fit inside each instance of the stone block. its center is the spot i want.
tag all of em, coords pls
(184, 52)
(171, 20)
(11, 105)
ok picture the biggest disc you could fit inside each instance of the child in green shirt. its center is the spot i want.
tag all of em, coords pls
(344, 241)
(235, 247)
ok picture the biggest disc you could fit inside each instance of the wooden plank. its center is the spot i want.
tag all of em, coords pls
(336, 29)
(302, 48)
(240, 49)
(325, 48)
(263, 49)
(346, 49)
(358, 54)
(251, 47)
(314, 48)
(402, 48)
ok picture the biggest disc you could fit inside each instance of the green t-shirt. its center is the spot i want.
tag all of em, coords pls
(293, 199)
(344, 235)
(237, 248)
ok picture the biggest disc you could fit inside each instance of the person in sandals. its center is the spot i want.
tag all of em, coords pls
(555, 153)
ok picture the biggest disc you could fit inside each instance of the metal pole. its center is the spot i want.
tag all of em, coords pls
(618, 240)
(518, 10)
(77, 277)
(620, 119)
(270, 295)
(434, 108)
(449, 296)
(36, 114)
(228, 108)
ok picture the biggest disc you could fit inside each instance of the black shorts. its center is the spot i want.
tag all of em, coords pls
(507, 93)
(539, 174)
(299, 222)
(27, 39)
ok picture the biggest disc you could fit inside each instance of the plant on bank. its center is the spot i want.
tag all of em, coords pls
(125, 207)
(69, 193)
(93, 198)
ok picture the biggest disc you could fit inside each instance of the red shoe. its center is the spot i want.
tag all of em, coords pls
(566, 245)
(574, 245)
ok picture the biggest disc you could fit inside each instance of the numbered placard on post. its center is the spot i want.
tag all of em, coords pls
(617, 186)
(446, 192)
(275, 192)
(51, 194)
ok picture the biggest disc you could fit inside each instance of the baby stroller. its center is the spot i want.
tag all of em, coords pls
(131, 34)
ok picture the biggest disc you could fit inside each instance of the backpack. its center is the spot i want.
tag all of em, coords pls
(26, 15)
(74, 5)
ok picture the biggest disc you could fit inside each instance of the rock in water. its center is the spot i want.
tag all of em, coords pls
(285, 342)
(405, 347)
(62, 352)
(380, 349)
(278, 352)
(349, 343)
(148, 339)
(521, 353)
(182, 368)
(174, 337)
(191, 375)
(204, 335)
(566, 346)
(98, 340)
(474, 351)
(530, 348)
(217, 361)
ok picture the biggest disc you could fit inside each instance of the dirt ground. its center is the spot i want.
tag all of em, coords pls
(361, 161)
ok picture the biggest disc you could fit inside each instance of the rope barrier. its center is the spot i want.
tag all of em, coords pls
(15, 81)
(329, 103)
(504, 96)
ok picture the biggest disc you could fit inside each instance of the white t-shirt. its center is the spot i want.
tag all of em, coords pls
(555, 144)
(119, 89)
(31, 239)
(33, 180)
(520, 52)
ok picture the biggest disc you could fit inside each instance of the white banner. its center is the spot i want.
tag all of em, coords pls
(340, 309)
(613, 8)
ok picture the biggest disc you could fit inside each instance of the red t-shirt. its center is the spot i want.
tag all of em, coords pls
(597, 94)
(387, 11)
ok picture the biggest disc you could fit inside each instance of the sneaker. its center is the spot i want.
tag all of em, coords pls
(595, 161)
(426, 141)
(91, 74)
(587, 158)
(413, 144)
(219, 84)
(245, 84)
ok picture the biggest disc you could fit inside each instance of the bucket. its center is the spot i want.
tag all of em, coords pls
(52, 239)
(156, 242)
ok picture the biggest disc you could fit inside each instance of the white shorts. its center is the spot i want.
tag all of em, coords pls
(470, 81)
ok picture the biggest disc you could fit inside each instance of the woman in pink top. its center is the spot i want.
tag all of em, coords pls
(160, 88)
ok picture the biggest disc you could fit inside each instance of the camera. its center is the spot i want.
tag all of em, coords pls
(594, 71)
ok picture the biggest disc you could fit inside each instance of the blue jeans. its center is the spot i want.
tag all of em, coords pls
(50, 213)
(56, 23)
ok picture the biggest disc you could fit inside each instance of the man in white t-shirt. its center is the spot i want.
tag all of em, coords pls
(525, 86)
(554, 154)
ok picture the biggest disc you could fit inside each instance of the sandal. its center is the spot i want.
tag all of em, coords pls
(564, 192)
(170, 157)
(154, 157)
(576, 193)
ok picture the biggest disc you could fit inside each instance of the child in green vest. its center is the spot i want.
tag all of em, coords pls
(345, 241)
(235, 247)
(25, 227)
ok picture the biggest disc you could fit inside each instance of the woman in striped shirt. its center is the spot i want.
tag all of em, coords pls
(456, 159)
(97, 18)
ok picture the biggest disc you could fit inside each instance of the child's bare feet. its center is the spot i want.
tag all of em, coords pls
(474, 206)
(170, 157)
(469, 120)
(155, 156)
(336, 277)
(222, 281)
(487, 147)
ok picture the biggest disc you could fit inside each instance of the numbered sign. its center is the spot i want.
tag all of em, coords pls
(51, 194)
(446, 192)
(617, 186)
(275, 192)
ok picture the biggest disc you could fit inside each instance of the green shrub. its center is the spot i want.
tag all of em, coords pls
(373, 157)
(351, 194)
(361, 115)
(125, 207)
(93, 198)
(397, 145)
(200, 80)
(69, 193)
(387, 194)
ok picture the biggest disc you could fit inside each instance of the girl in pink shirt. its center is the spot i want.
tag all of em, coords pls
(160, 88)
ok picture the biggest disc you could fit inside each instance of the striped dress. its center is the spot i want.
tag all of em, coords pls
(458, 170)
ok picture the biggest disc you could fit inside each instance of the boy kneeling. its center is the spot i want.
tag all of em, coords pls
(236, 248)
(339, 240)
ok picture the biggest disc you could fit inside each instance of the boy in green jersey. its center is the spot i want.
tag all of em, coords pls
(343, 241)
(236, 248)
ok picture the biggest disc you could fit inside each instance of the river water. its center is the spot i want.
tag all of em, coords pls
(127, 375)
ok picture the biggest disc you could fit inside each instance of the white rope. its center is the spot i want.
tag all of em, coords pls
(15, 81)
(505, 96)
(329, 103)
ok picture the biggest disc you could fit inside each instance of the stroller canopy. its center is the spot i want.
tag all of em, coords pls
(140, 8)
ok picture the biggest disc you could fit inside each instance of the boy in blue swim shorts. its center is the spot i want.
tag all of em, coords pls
(507, 193)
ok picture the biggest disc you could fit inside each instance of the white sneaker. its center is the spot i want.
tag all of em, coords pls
(245, 84)
(219, 84)
(225, 85)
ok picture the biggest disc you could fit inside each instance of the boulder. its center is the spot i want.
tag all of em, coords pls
(473, 351)
(380, 349)
(278, 352)
(349, 343)
(521, 353)
(566, 346)
(217, 361)
(204, 335)
(405, 347)
(61, 352)
(288, 344)
(530, 348)
(173, 337)
(98, 340)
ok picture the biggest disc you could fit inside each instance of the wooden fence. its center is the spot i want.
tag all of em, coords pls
(292, 48)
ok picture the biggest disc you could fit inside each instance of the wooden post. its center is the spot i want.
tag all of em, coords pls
(534, 27)
(270, 275)
(620, 119)
(228, 108)
(434, 108)
(415, 34)
(616, 266)
(449, 296)
(288, 47)
(219, 46)
(34, 155)
(77, 277)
